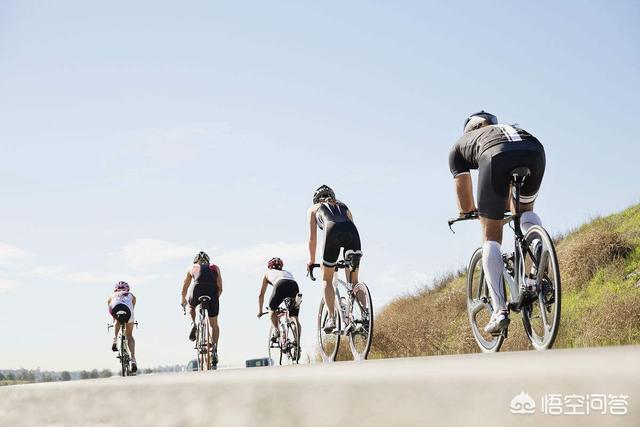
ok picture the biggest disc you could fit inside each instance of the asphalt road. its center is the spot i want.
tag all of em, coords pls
(475, 389)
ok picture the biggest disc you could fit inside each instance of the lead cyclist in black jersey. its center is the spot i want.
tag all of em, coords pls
(496, 150)
(334, 217)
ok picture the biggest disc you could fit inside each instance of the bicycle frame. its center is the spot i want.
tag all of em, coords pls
(518, 282)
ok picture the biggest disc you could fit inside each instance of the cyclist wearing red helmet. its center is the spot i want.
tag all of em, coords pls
(123, 300)
(284, 286)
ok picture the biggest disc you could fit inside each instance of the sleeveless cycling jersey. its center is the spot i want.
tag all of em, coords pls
(204, 275)
(331, 213)
(125, 298)
(274, 276)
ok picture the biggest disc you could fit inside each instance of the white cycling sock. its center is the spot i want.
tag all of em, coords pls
(493, 266)
(528, 219)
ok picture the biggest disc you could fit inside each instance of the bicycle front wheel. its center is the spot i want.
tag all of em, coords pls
(479, 305)
(541, 318)
(329, 343)
(361, 333)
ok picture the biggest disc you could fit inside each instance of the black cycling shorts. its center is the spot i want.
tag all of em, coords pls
(283, 289)
(494, 175)
(339, 235)
(213, 306)
(123, 318)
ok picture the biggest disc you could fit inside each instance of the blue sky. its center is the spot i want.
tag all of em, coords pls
(133, 134)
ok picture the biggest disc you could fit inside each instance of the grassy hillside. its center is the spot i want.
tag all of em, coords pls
(600, 270)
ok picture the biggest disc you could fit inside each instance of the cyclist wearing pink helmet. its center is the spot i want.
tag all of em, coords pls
(284, 286)
(123, 300)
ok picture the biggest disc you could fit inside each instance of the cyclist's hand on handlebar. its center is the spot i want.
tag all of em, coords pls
(468, 214)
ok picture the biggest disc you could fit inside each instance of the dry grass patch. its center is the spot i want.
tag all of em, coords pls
(583, 253)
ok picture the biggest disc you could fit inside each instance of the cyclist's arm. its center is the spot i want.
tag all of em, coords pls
(263, 289)
(134, 300)
(460, 169)
(185, 286)
(219, 281)
(313, 235)
(109, 301)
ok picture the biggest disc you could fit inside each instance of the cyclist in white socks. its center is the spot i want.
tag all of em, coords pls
(496, 150)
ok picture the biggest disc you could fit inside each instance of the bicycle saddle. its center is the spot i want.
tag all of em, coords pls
(204, 298)
(353, 258)
(521, 172)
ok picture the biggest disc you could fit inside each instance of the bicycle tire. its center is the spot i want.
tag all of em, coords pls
(293, 344)
(478, 299)
(272, 347)
(548, 253)
(329, 344)
(366, 323)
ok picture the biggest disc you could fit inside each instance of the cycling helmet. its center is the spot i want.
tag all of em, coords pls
(275, 263)
(322, 193)
(476, 119)
(121, 287)
(201, 258)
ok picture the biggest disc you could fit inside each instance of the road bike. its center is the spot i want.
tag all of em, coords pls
(206, 352)
(288, 342)
(123, 351)
(532, 277)
(354, 311)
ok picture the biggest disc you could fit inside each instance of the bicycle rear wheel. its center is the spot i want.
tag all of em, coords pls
(479, 305)
(204, 344)
(328, 343)
(293, 344)
(541, 318)
(275, 352)
(124, 356)
(361, 311)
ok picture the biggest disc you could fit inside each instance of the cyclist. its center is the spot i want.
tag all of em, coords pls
(123, 300)
(332, 216)
(496, 150)
(284, 286)
(203, 279)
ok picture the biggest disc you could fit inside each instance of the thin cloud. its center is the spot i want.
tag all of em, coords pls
(7, 285)
(142, 253)
(10, 253)
(255, 257)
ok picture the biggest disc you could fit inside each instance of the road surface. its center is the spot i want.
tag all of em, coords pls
(475, 389)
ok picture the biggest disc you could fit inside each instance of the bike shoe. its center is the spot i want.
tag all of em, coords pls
(497, 323)
(134, 366)
(114, 346)
(330, 325)
(192, 334)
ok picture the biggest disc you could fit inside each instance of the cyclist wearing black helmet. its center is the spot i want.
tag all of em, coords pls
(336, 220)
(496, 150)
(284, 286)
(202, 279)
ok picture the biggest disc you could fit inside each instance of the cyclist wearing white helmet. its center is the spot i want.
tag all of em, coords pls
(202, 279)
(284, 286)
(340, 232)
(123, 300)
(496, 150)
